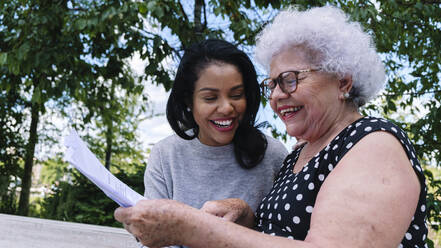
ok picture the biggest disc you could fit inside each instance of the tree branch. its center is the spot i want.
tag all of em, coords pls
(183, 12)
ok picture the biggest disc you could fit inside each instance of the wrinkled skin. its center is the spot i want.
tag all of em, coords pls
(155, 223)
(232, 209)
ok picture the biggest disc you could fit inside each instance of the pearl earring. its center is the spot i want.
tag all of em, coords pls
(346, 95)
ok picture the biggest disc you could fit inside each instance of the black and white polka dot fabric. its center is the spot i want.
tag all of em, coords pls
(286, 210)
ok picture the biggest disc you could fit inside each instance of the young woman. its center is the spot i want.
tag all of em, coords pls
(217, 151)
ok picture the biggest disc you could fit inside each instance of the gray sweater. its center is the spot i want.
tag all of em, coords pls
(193, 173)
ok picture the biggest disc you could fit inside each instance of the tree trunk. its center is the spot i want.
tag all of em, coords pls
(23, 205)
(198, 26)
(109, 137)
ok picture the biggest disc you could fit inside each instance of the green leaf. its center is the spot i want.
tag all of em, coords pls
(3, 58)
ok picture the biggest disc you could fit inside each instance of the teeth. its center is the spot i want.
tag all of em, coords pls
(292, 109)
(223, 123)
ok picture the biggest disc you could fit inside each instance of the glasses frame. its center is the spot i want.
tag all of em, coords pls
(279, 81)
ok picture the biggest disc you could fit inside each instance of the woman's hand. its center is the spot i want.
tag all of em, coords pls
(156, 223)
(231, 209)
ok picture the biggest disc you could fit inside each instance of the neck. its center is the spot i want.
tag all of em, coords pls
(339, 123)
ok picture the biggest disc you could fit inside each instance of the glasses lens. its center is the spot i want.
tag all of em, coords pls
(289, 81)
(268, 85)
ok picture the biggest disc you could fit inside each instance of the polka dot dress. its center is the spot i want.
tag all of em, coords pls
(286, 210)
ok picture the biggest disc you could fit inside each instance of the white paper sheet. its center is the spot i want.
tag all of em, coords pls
(85, 161)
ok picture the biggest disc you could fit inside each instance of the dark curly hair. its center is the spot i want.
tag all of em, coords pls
(249, 142)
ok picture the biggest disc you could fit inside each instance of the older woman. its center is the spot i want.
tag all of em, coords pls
(355, 182)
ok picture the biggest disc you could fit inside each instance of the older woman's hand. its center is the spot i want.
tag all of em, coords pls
(155, 223)
(231, 209)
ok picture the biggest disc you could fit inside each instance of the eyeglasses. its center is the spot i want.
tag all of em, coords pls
(287, 81)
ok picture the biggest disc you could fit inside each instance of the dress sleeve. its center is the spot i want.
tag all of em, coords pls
(154, 181)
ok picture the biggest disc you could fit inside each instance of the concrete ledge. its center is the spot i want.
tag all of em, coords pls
(26, 232)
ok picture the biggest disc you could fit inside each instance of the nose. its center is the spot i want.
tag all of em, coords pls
(225, 107)
(278, 94)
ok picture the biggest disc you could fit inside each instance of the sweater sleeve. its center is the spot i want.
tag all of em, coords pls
(154, 180)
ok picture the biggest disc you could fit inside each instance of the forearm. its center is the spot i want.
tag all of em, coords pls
(207, 231)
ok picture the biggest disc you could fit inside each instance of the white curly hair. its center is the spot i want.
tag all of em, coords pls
(342, 46)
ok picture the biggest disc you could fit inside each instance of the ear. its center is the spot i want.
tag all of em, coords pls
(345, 86)
(188, 104)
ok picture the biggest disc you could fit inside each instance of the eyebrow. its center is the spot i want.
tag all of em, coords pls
(214, 89)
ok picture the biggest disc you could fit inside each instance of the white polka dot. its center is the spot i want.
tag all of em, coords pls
(290, 237)
(423, 208)
(394, 129)
(284, 196)
(261, 206)
(416, 227)
(273, 234)
(330, 167)
(299, 197)
(316, 165)
(326, 156)
(288, 228)
(275, 205)
(296, 219)
(408, 236)
(400, 246)
(295, 186)
(284, 189)
(321, 177)
(335, 147)
(279, 217)
(358, 124)
(268, 206)
(311, 186)
(261, 215)
(374, 120)
(338, 137)
(336, 158)
(277, 198)
(424, 235)
(349, 145)
(327, 148)
(270, 216)
(287, 206)
(367, 129)
(305, 168)
(306, 177)
(309, 209)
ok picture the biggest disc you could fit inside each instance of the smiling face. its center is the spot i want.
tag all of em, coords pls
(219, 103)
(316, 105)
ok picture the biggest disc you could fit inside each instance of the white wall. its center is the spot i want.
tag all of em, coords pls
(25, 232)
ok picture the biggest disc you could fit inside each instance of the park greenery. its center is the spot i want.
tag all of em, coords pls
(69, 59)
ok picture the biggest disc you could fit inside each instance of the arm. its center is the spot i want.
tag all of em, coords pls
(154, 181)
(232, 209)
(367, 201)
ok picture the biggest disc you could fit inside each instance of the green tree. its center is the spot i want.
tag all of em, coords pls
(59, 50)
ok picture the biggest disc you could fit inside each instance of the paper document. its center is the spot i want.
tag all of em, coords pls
(85, 161)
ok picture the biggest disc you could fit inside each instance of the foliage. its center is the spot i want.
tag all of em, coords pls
(11, 148)
(82, 201)
(61, 51)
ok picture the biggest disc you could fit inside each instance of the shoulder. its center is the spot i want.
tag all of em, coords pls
(168, 142)
(275, 153)
(275, 145)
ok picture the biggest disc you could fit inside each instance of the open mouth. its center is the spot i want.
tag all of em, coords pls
(289, 111)
(223, 123)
